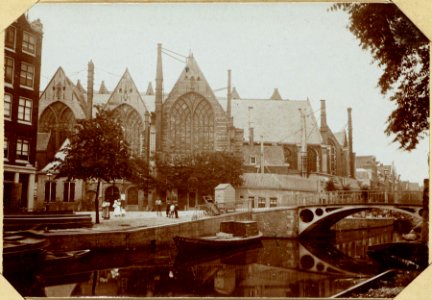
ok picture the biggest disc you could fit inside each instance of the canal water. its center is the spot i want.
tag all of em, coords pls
(319, 267)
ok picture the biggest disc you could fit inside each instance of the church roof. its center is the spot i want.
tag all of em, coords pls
(278, 121)
(273, 154)
(80, 87)
(276, 95)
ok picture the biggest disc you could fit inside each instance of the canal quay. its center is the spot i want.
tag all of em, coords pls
(334, 262)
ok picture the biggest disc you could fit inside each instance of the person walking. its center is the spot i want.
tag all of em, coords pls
(167, 210)
(158, 203)
(176, 209)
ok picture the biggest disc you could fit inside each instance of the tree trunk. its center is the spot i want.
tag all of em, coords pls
(97, 202)
(425, 214)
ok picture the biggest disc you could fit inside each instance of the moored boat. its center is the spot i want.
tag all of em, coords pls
(22, 251)
(61, 256)
(232, 235)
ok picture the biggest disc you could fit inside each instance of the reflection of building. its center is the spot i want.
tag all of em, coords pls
(23, 42)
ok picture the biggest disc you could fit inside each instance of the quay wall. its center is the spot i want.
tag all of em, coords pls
(362, 223)
(139, 236)
(277, 223)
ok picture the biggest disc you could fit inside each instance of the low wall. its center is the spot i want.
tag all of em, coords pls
(361, 223)
(139, 237)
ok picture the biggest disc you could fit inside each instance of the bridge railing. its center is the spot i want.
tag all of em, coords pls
(363, 197)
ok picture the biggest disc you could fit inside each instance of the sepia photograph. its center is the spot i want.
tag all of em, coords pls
(222, 150)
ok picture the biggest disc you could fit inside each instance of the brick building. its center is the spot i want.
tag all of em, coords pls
(23, 46)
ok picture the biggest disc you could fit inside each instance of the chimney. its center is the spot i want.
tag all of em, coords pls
(251, 136)
(323, 114)
(350, 146)
(229, 95)
(158, 98)
(90, 79)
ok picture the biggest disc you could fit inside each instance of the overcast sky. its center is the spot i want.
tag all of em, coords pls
(302, 49)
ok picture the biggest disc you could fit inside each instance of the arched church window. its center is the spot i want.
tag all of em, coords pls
(332, 158)
(192, 124)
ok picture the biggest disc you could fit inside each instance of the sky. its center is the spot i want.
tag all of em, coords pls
(303, 49)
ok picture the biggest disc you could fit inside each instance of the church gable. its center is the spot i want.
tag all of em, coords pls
(60, 88)
(126, 92)
(192, 117)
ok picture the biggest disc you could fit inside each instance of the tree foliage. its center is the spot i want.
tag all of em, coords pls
(140, 174)
(200, 172)
(97, 151)
(402, 51)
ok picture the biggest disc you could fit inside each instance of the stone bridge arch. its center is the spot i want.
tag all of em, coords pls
(322, 217)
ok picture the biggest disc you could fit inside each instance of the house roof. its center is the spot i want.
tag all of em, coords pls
(279, 181)
(58, 158)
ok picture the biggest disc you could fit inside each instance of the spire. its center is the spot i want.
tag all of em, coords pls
(158, 98)
(150, 89)
(323, 114)
(103, 89)
(234, 94)
(276, 95)
(90, 79)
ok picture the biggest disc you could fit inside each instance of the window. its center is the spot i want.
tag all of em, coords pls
(29, 43)
(25, 110)
(261, 202)
(273, 201)
(22, 151)
(69, 191)
(27, 75)
(5, 148)
(7, 108)
(252, 160)
(10, 38)
(251, 200)
(50, 191)
(9, 70)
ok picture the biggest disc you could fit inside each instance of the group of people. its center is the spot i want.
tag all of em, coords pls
(171, 209)
(119, 209)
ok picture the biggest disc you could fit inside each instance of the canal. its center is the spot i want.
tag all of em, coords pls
(319, 267)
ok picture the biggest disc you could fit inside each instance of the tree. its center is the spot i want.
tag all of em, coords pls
(402, 50)
(139, 174)
(97, 151)
(201, 172)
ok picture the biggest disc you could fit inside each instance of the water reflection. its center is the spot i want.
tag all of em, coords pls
(279, 268)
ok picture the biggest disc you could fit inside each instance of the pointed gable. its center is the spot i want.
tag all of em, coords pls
(149, 91)
(235, 94)
(126, 92)
(341, 138)
(276, 95)
(80, 87)
(61, 88)
(103, 89)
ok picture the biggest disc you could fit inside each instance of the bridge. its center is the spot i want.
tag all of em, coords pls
(322, 215)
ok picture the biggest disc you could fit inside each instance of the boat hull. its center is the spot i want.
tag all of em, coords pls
(209, 244)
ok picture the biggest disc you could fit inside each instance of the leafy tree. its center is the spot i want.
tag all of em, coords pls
(200, 172)
(97, 151)
(402, 50)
